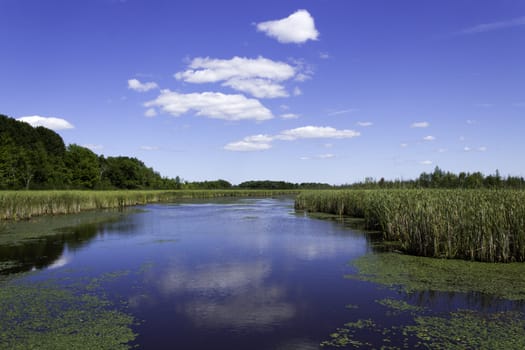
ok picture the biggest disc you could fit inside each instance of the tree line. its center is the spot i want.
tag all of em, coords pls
(37, 158)
(446, 179)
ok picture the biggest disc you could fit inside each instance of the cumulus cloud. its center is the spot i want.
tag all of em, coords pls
(260, 77)
(317, 132)
(136, 85)
(263, 142)
(246, 146)
(429, 138)
(47, 122)
(420, 125)
(297, 28)
(212, 105)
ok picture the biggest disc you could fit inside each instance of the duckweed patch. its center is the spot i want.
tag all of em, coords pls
(412, 273)
(460, 330)
(43, 316)
(472, 330)
(396, 306)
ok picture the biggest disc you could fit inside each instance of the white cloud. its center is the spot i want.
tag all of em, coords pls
(487, 27)
(420, 125)
(260, 88)
(310, 132)
(365, 124)
(149, 148)
(404, 145)
(470, 121)
(426, 162)
(326, 156)
(263, 142)
(467, 149)
(136, 85)
(297, 28)
(93, 147)
(289, 116)
(297, 91)
(260, 77)
(212, 105)
(429, 138)
(246, 146)
(259, 138)
(343, 111)
(482, 149)
(324, 55)
(150, 113)
(441, 150)
(47, 122)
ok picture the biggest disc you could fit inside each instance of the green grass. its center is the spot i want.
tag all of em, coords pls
(20, 205)
(484, 225)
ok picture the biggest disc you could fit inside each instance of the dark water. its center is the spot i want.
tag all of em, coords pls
(236, 274)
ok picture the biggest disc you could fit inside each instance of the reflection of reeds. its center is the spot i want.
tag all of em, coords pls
(484, 225)
(26, 204)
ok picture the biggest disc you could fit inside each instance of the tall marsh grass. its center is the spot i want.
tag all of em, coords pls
(19, 205)
(483, 225)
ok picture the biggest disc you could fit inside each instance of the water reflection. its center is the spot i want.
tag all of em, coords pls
(47, 242)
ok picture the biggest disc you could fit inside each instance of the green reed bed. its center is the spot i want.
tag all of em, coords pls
(484, 225)
(19, 205)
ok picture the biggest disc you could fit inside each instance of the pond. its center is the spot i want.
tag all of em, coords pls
(218, 274)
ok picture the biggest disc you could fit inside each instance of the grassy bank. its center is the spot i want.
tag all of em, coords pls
(483, 225)
(19, 205)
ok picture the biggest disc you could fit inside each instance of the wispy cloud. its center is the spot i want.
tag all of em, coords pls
(263, 142)
(420, 125)
(47, 122)
(136, 85)
(289, 116)
(212, 105)
(429, 138)
(343, 111)
(487, 27)
(324, 55)
(149, 148)
(365, 124)
(426, 162)
(150, 112)
(259, 77)
(297, 28)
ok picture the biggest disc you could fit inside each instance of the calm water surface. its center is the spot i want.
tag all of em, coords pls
(230, 274)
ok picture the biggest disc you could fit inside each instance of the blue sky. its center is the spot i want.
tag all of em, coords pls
(324, 91)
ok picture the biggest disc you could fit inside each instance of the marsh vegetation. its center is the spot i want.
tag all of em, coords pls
(482, 225)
